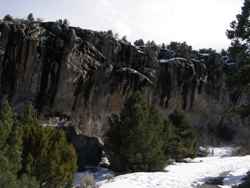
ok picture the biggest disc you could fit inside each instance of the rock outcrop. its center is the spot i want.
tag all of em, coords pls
(84, 76)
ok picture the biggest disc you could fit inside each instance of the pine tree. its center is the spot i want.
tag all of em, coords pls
(239, 52)
(240, 27)
(240, 35)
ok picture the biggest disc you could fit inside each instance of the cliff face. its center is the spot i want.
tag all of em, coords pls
(82, 76)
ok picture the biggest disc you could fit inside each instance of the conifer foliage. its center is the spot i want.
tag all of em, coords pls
(141, 140)
(183, 142)
(240, 36)
(11, 151)
(136, 137)
(31, 155)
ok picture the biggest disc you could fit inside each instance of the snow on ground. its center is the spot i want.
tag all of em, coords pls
(235, 177)
(187, 175)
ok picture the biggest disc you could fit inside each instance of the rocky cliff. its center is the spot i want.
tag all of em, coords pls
(79, 77)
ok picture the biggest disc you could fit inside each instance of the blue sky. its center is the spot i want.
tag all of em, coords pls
(201, 23)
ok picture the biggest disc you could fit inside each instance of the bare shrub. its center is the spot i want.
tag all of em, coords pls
(88, 181)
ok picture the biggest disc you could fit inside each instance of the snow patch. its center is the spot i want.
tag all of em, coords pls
(235, 177)
(172, 60)
(185, 175)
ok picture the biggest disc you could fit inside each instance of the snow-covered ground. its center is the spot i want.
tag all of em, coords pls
(185, 175)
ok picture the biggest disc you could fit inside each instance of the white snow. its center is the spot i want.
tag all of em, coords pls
(235, 177)
(188, 175)
(172, 60)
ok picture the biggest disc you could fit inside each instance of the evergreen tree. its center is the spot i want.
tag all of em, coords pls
(66, 22)
(6, 123)
(139, 42)
(30, 17)
(7, 178)
(8, 18)
(46, 153)
(10, 154)
(32, 156)
(240, 27)
(181, 49)
(240, 35)
(136, 137)
(60, 21)
(183, 141)
(11, 143)
(239, 52)
(14, 149)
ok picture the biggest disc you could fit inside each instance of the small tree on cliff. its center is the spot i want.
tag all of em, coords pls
(136, 137)
(8, 17)
(30, 17)
(139, 42)
(66, 22)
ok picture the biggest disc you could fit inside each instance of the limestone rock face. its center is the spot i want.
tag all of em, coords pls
(84, 76)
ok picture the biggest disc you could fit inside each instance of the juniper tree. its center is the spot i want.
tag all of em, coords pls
(136, 137)
(11, 150)
(47, 155)
(183, 142)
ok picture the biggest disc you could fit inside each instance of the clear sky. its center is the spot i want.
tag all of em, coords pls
(201, 23)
